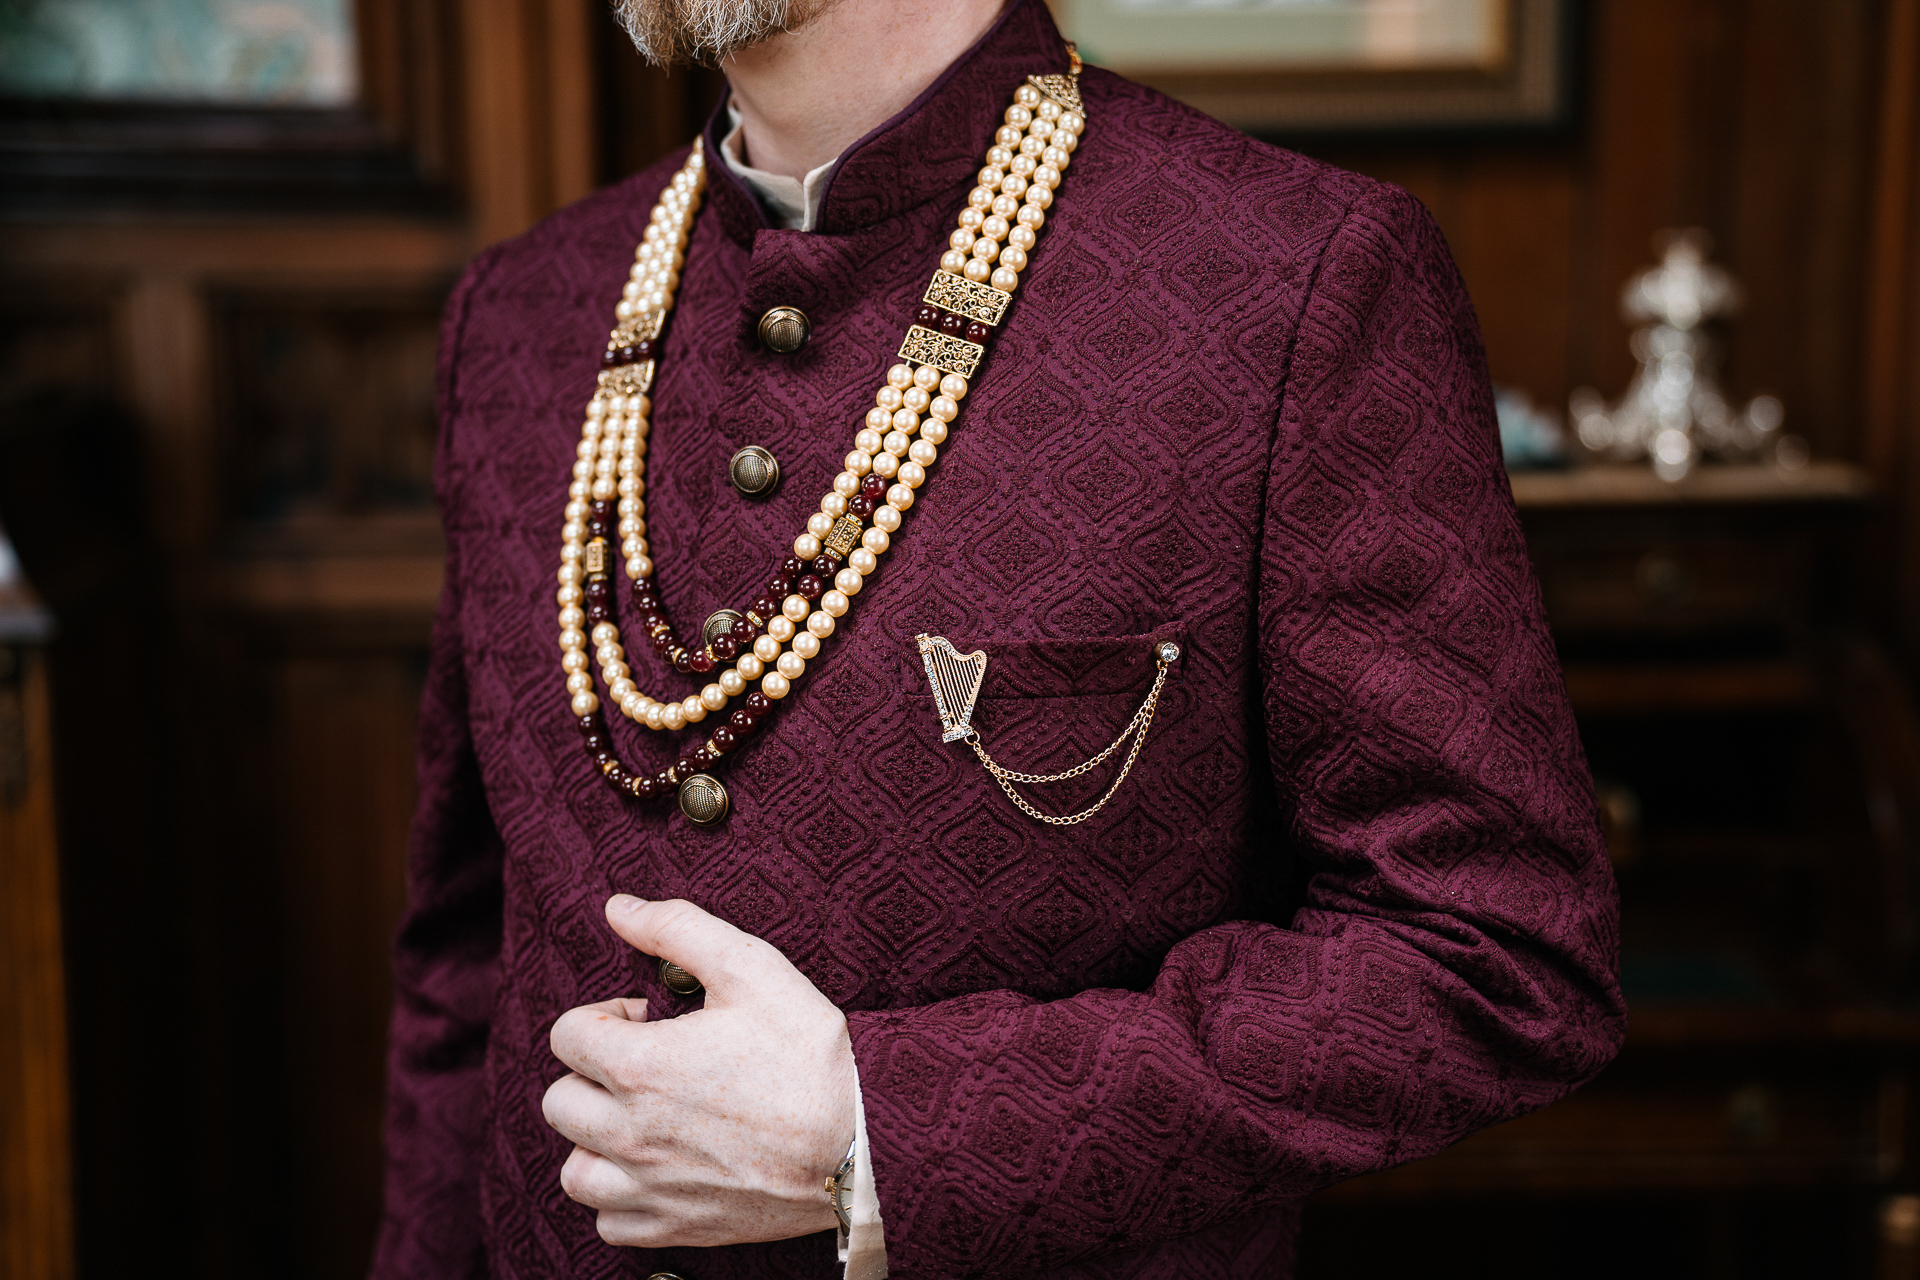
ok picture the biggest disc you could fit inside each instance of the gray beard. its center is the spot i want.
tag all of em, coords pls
(672, 33)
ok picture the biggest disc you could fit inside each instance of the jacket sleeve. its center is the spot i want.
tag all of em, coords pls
(446, 955)
(1452, 963)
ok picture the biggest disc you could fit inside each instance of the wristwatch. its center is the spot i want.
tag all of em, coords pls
(840, 1190)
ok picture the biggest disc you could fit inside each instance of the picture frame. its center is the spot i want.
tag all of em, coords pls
(1311, 67)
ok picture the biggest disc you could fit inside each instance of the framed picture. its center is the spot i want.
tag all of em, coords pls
(1326, 66)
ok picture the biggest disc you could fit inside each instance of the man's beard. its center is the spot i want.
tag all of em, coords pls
(706, 32)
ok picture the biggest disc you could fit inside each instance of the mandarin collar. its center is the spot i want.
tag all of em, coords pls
(928, 150)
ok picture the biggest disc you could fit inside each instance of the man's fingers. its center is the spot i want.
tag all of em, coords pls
(582, 1111)
(728, 962)
(602, 1041)
(597, 1182)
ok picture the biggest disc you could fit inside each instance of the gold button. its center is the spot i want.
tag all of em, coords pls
(784, 330)
(718, 624)
(703, 799)
(754, 472)
(678, 980)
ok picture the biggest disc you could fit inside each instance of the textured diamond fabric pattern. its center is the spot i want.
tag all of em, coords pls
(1352, 904)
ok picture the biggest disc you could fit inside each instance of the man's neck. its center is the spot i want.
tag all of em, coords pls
(805, 96)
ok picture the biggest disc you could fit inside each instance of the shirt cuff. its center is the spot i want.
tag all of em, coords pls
(864, 1247)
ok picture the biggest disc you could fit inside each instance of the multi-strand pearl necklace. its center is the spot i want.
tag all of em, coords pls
(777, 634)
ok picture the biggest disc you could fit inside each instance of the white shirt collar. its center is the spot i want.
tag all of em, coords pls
(794, 205)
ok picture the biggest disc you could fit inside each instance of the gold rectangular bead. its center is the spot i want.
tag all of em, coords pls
(952, 355)
(963, 297)
(843, 537)
(1062, 89)
(596, 557)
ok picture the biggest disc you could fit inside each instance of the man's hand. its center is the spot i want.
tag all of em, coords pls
(718, 1127)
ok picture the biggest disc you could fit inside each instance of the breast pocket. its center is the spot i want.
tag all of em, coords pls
(1048, 705)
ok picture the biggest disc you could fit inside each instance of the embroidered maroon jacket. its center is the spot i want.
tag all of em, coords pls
(1351, 906)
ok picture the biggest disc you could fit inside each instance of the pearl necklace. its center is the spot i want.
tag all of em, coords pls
(780, 632)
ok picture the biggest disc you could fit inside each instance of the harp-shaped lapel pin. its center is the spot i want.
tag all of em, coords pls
(955, 678)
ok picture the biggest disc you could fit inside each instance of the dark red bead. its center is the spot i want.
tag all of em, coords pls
(758, 703)
(744, 631)
(598, 612)
(646, 787)
(700, 661)
(725, 738)
(927, 316)
(646, 350)
(779, 587)
(951, 323)
(742, 720)
(725, 647)
(604, 757)
(604, 511)
(765, 606)
(824, 565)
(609, 358)
(682, 661)
(978, 333)
(661, 643)
(686, 764)
(589, 724)
(792, 567)
(874, 487)
(810, 587)
(862, 506)
(651, 618)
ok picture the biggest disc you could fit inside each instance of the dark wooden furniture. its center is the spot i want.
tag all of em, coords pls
(1755, 758)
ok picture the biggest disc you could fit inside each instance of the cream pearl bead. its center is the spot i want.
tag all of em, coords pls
(971, 218)
(899, 497)
(731, 684)
(569, 594)
(1027, 96)
(985, 249)
(835, 603)
(869, 441)
(923, 452)
(1040, 198)
(934, 433)
(997, 226)
(807, 645)
(580, 682)
(673, 715)
(572, 638)
(776, 686)
(1022, 165)
(820, 524)
(634, 705)
(885, 465)
(888, 398)
(654, 716)
(863, 561)
(954, 262)
(714, 697)
(834, 504)
(578, 511)
(791, 665)
(1000, 157)
(1047, 176)
(1014, 259)
(620, 690)
(796, 607)
(573, 660)
(570, 571)
(781, 629)
(821, 623)
(605, 633)
(846, 484)
(906, 420)
(943, 408)
(806, 546)
(976, 271)
(1005, 279)
(640, 567)
(916, 398)
(604, 490)
(912, 475)
(585, 704)
(954, 386)
(876, 541)
(572, 618)
(766, 648)
(887, 518)
(900, 377)
(877, 419)
(896, 442)
(847, 582)
(1006, 135)
(961, 240)
(579, 490)
(1030, 216)
(1063, 139)
(693, 709)
(749, 666)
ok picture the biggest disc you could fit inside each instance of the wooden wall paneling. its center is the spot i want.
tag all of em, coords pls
(36, 1195)
(530, 125)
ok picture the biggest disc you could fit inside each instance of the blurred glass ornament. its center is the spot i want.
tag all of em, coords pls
(1673, 413)
(1530, 435)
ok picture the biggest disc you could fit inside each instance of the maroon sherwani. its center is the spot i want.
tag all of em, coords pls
(1352, 904)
